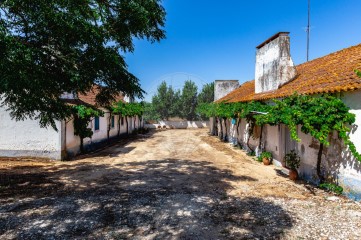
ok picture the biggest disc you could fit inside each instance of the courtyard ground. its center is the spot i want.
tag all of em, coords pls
(168, 184)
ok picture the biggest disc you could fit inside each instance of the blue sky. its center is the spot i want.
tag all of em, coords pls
(209, 40)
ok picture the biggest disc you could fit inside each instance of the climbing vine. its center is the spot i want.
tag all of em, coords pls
(318, 116)
(127, 110)
(82, 116)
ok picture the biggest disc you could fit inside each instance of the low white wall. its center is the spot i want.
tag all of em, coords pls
(179, 124)
(27, 139)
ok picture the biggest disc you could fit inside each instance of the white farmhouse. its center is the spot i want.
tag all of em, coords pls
(277, 77)
(27, 139)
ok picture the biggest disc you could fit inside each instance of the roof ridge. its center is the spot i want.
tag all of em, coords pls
(330, 54)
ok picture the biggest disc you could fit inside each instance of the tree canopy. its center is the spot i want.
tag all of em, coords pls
(56, 46)
(169, 102)
(189, 101)
(164, 101)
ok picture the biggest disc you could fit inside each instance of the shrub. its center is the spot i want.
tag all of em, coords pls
(332, 187)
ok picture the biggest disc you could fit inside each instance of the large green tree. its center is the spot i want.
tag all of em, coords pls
(56, 46)
(188, 100)
(206, 96)
(165, 101)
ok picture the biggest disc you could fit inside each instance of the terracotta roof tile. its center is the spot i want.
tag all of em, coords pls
(328, 74)
(90, 96)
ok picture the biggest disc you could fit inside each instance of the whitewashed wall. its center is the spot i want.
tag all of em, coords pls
(27, 138)
(337, 160)
(73, 142)
(179, 124)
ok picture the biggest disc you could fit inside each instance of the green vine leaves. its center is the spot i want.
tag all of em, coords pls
(318, 116)
(128, 109)
(82, 116)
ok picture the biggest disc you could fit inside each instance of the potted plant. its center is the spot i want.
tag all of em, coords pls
(266, 158)
(292, 161)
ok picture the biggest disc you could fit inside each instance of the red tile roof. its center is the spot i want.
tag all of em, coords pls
(90, 96)
(328, 74)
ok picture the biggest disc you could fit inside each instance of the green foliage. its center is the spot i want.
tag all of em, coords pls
(267, 155)
(188, 101)
(82, 116)
(127, 109)
(358, 72)
(166, 102)
(292, 160)
(318, 116)
(230, 110)
(56, 46)
(207, 109)
(150, 114)
(207, 93)
(206, 96)
(331, 187)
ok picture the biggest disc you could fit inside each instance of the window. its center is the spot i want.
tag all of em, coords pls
(122, 121)
(112, 122)
(96, 123)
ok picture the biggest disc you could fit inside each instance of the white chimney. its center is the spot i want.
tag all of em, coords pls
(274, 65)
(223, 87)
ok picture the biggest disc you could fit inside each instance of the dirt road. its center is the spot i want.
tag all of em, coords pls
(172, 184)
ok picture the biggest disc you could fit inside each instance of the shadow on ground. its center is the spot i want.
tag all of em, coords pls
(155, 199)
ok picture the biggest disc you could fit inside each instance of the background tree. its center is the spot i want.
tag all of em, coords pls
(150, 114)
(206, 96)
(188, 101)
(55, 46)
(164, 101)
(176, 105)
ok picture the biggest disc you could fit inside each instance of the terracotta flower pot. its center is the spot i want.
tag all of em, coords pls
(266, 161)
(293, 174)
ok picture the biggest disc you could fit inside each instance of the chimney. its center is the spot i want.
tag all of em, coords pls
(274, 65)
(223, 87)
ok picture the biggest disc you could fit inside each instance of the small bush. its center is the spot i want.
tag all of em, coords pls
(292, 160)
(331, 187)
(252, 154)
(266, 155)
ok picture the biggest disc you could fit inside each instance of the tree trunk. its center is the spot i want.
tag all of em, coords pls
(81, 145)
(109, 126)
(119, 118)
(126, 121)
(238, 124)
(260, 138)
(250, 131)
(319, 159)
(225, 139)
(221, 129)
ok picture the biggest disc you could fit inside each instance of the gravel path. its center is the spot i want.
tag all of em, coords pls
(173, 184)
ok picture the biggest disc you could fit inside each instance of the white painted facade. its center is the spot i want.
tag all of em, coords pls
(274, 68)
(27, 139)
(337, 162)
